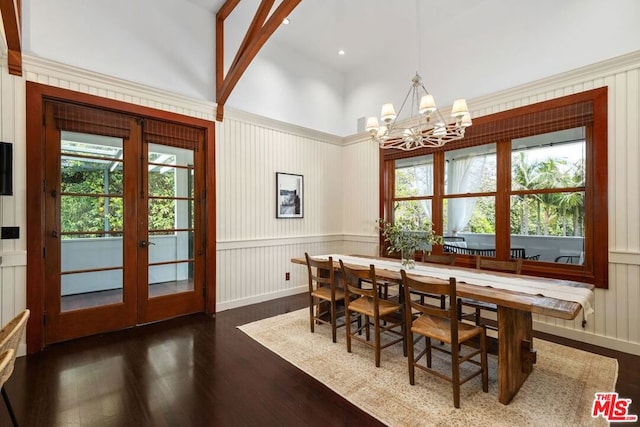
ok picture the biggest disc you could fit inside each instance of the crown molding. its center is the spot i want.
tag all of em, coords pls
(282, 126)
(68, 76)
(116, 88)
(598, 70)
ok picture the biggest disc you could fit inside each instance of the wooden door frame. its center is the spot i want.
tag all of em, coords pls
(36, 94)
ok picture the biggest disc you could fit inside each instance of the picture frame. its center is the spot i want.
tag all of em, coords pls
(289, 195)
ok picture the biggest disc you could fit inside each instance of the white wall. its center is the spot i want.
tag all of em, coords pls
(299, 90)
(13, 296)
(162, 43)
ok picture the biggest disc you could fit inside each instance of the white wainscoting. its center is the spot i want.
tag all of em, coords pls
(256, 272)
(270, 260)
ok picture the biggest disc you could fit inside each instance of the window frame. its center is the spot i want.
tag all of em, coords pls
(500, 128)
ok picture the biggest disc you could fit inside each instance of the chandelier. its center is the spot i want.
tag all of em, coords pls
(425, 125)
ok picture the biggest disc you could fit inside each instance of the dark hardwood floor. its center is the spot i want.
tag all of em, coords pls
(194, 371)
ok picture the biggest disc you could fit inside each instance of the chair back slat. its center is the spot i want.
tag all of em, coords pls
(433, 286)
(354, 277)
(320, 272)
(446, 259)
(511, 266)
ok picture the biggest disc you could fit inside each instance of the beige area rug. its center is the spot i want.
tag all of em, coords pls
(559, 391)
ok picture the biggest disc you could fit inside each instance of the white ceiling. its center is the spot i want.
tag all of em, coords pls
(365, 29)
(468, 48)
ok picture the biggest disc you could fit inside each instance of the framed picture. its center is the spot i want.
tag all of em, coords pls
(289, 195)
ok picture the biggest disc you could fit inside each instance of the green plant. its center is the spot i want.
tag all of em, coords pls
(407, 236)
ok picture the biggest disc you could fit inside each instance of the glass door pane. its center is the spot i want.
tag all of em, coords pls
(170, 192)
(91, 220)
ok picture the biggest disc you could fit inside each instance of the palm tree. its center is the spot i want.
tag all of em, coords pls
(574, 202)
(549, 175)
(525, 178)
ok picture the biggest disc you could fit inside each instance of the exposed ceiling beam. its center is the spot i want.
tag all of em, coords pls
(227, 8)
(10, 10)
(257, 35)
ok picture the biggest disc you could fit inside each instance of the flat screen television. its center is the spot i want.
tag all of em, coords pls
(6, 169)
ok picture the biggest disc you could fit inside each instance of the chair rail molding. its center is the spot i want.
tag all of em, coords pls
(225, 245)
(624, 257)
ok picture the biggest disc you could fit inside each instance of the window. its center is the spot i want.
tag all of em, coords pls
(91, 186)
(470, 196)
(547, 196)
(413, 189)
(524, 183)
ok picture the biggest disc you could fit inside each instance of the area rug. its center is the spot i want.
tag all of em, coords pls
(559, 391)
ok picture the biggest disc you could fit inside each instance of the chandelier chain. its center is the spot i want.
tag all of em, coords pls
(418, 37)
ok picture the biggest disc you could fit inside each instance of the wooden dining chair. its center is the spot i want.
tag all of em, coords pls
(446, 259)
(323, 291)
(362, 300)
(10, 337)
(511, 266)
(432, 322)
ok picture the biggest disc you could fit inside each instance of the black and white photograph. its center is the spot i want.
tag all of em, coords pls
(289, 195)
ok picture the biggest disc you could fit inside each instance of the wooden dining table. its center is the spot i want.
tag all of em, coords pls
(516, 355)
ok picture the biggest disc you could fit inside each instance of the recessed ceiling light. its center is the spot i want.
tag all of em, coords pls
(286, 21)
(341, 52)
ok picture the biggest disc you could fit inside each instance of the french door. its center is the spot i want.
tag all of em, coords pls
(124, 228)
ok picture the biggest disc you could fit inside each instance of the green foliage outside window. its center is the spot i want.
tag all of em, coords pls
(554, 213)
(550, 213)
(162, 212)
(96, 204)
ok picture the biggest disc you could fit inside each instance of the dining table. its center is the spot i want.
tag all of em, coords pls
(517, 298)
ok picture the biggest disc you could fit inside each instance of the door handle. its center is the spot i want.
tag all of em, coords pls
(145, 243)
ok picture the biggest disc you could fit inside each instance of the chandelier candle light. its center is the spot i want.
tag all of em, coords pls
(426, 129)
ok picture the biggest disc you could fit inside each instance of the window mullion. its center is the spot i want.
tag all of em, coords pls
(438, 192)
(503, 202)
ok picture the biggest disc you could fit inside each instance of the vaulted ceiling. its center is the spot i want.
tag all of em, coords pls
(466, 48)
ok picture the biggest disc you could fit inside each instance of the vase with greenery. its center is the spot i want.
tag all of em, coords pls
(406, 236)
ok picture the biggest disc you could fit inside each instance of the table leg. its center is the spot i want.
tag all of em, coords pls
(515, 353)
